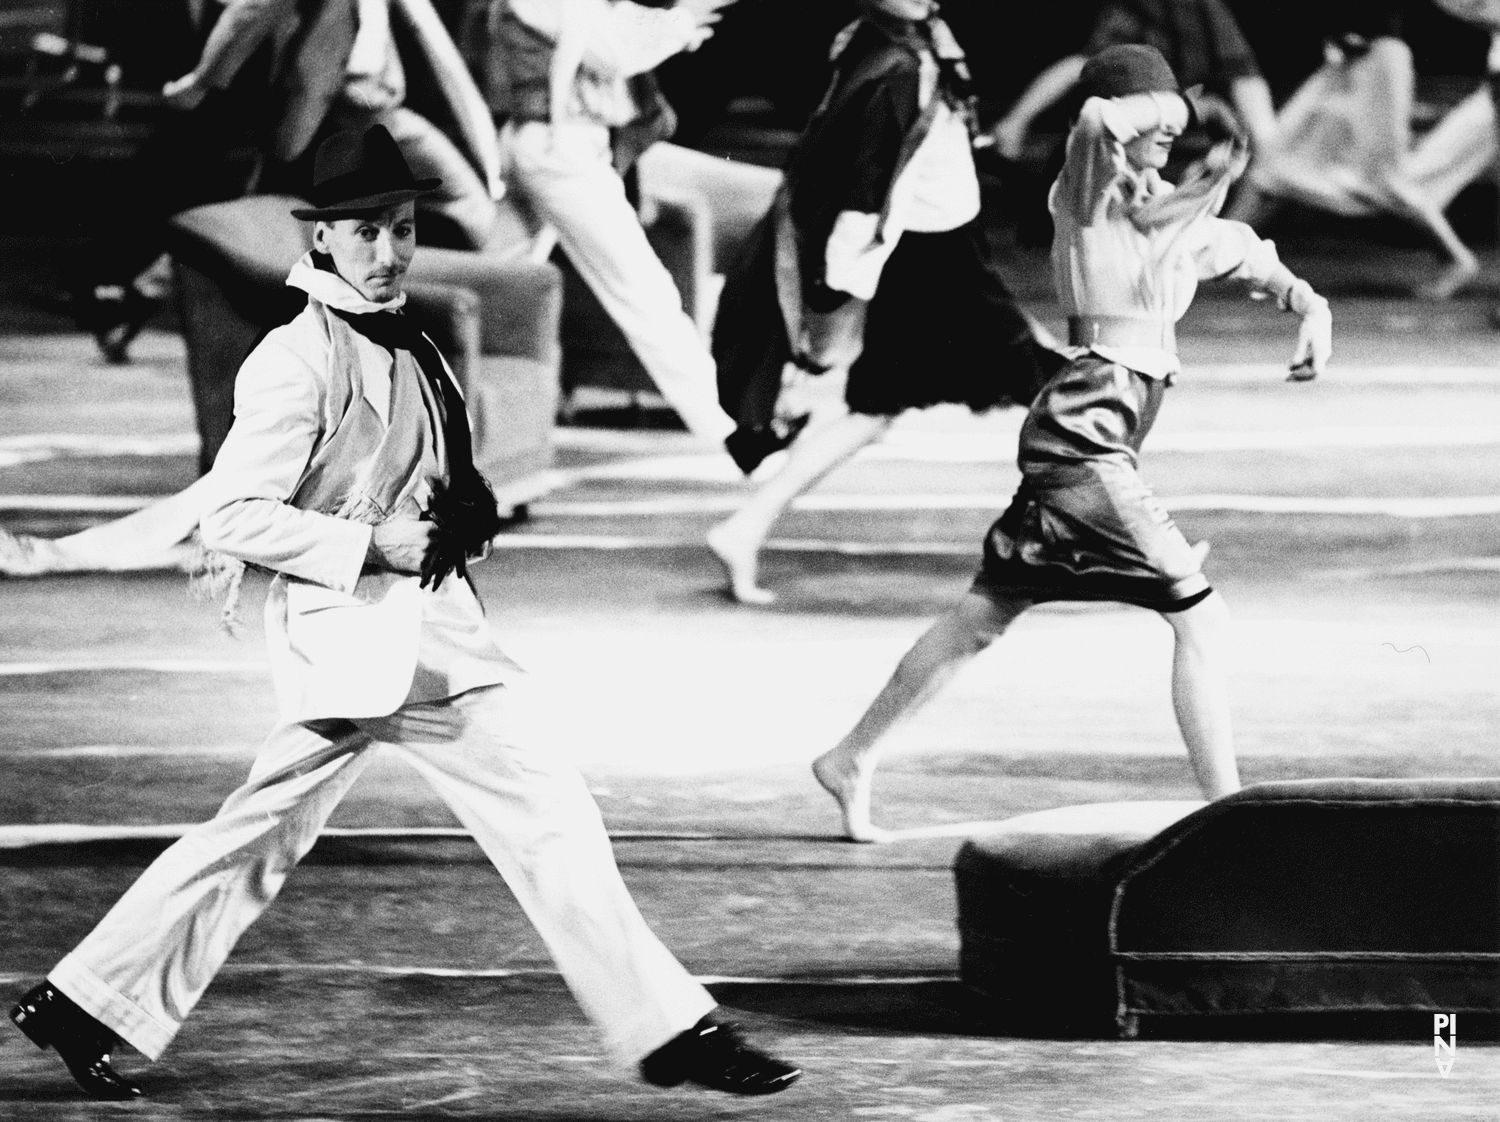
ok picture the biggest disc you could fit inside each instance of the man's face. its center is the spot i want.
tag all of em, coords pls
(371, 252)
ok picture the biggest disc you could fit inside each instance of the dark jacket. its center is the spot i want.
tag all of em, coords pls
(847, 159)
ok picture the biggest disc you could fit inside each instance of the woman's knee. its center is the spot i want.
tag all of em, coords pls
(979, 620)
(1204, 622)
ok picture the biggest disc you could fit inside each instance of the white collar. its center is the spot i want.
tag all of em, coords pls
(333, 290)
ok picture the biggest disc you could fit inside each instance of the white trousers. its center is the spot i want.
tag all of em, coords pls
(143, 968)
(565, 174)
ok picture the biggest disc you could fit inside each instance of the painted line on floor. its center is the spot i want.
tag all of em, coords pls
(1415, 569)
(613, 542)
(837, 502)
(378, 970)
(669, 456)
(1395, 507)
(78, 504)
(33, 447)
(149, 665)
(69, 833)
(132, 752)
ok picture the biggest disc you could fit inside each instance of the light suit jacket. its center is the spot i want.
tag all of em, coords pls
(313, 39)
(297, 488)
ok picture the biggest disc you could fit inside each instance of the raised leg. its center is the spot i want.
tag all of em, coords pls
(1200, 694)
(566, 177)
(737, 540)
(847, 770)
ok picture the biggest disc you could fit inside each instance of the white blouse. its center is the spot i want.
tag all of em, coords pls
(1127, 243)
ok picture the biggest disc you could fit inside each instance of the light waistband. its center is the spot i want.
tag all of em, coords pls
(1122, 331)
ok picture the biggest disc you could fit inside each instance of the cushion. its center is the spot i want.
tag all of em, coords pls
(1317, 895)
(1034, 898)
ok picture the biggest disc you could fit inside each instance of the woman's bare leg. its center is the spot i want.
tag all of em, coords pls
(1200, 694)
(847, 770)
(822, 447)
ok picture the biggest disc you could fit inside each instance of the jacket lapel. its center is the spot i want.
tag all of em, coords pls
(373, 366)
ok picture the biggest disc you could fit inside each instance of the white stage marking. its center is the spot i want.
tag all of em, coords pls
(1395, 507)
(32, 447)
(148, 665)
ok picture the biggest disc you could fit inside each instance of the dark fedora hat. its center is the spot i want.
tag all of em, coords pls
(355, 172)
(1127, 69)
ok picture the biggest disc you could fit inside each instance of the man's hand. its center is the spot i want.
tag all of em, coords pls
(1314, 342)
(184, 93)
(401, 546)
(706, 12)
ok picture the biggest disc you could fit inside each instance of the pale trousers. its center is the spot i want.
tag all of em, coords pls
(565, 175)
(143, 968)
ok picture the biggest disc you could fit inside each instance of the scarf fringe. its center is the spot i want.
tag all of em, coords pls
(213, 575)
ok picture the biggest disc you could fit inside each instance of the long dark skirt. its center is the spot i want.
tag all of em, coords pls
(943, 327)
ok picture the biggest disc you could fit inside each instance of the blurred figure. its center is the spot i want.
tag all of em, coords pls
(1344, 143)
(572, 79)
(1127, 257)
(320, 66)
(122, 277)
(1199, 39)
(1484, 14)
(873, 266)
(335, 66)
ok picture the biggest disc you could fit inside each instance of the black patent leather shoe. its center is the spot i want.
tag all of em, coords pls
(52, 1020)
(714, 1054)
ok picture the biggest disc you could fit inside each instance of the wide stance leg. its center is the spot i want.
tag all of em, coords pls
(847, 770)
(530, 811)
(1200, 694)
(566, 177)
(146, 964)
(737, 540)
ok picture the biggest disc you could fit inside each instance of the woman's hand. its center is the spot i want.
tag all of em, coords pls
(1314, 341)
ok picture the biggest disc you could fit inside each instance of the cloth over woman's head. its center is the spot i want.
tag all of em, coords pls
(1127, 69)
(904, 9)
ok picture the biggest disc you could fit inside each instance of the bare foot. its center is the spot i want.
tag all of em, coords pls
(849, 784)
(739, 556)
(1450, 281)
(1200, 551)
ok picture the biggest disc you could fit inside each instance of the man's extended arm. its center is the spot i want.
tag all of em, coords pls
(1046, 90)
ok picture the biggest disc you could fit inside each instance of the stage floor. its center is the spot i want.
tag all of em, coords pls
(1356, 535)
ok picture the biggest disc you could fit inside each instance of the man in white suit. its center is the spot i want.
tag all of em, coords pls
(348, 472)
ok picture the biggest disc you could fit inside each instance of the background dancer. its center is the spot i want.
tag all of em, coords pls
(349, 472)
(573, 80)
(872, 249)
(1127, 257)
(1344, 143)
